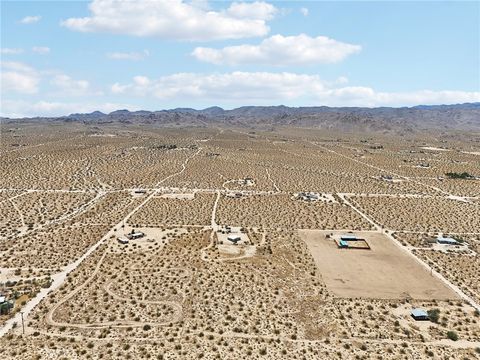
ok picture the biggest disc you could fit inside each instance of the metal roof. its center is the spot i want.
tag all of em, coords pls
(446, 240)
(348, 237)
(419, 313)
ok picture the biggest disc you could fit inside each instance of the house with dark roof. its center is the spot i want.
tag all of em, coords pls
(419, 314)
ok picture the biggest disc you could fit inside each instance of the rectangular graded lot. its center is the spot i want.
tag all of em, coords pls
(384, 272)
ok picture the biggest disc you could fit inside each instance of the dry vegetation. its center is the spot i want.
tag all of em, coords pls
(436, 214)
(185, 291)
(170, 211)
(281, 211)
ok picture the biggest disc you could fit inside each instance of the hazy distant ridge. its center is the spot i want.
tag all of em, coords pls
(460, 117)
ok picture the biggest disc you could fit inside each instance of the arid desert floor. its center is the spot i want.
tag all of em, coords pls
(231, 262)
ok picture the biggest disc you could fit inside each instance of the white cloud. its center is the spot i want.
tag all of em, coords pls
(11, 51)
(70, 86)
(175, 19)
(280, 50)
(304, 11)
(21, 108)
(255, 10)
(42, 50)
(243, 86)
(30, 19)
(266, 88)
(135, 56)
(18, 77)
(118, 89)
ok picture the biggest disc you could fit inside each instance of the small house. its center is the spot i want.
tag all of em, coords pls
(419, 314)
(135, 235)
(234, 238)
(122, 240)
(447, 240)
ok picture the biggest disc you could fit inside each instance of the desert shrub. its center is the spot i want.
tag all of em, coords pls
(452, 335)
(434, 315)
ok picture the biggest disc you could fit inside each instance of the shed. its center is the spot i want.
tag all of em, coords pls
(348, 237)
(343, 244)
(419, 314)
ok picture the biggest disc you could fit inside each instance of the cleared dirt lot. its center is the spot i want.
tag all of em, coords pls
(383, 272)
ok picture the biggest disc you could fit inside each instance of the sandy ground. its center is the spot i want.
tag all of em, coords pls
(382, 272)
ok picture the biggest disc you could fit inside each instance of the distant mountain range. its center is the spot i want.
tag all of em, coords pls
(383, 119)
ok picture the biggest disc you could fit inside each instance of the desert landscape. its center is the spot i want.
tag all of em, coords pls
(239, 179)
(216, 242)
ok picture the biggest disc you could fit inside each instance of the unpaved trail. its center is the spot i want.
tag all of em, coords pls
(59, 278)
(387, 233)
(380, 169)
(277, 189)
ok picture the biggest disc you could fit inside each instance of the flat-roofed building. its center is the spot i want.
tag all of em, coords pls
(447, 240)
(419, 314)
(122, 240)
(234, 238)
(135, 235)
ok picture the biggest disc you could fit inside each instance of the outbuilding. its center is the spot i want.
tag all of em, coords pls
(419, 314)
(343, 244)
(349, 237)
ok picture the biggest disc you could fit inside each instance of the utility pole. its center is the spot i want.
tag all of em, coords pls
(23, 324)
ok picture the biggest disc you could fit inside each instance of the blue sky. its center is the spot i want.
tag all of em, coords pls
(62, 57)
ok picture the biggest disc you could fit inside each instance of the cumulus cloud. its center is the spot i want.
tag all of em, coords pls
(175, 19)
(304, 11)
(135, 56)
(70, 86)
(21, 108)
(256, 10)
(266, 88)
(18, 77)
(42, 50)
(244, 86)
(11, 51)
(30, 19)
(280, 50)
